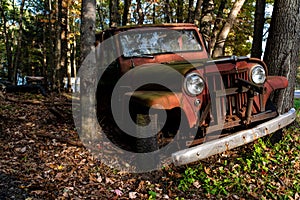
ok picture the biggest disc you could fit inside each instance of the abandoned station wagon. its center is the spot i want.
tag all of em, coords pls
(163, 76)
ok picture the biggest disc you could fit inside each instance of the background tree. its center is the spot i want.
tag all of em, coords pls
(190, 11)
(88, 29)
(167, 11)
(218, 23)
(56, 75)
(127, 4)
(282, 49)
(17, 56)
(219, 47)
(179, 11)
(197, 12)
(51, 32)
(88, 22)
(139, 11)
(239, 40)
(114, 15)
(207, 18)
(259, 23)
(6, 39)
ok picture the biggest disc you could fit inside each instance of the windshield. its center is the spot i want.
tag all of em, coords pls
(139, 43)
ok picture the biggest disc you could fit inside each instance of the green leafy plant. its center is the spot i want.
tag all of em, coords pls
(261, 170)
(297, 104)
(152, 195)
(189, 177)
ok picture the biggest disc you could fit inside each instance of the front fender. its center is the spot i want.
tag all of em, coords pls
(274, 83)
(166, 100)
(156, 99)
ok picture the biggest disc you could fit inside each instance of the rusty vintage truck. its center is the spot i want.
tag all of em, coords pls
(162, 78)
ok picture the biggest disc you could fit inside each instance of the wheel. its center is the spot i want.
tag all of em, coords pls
(147, 130)
(162, 128)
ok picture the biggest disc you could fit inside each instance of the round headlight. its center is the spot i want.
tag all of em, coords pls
(194, 84)
(258, 74)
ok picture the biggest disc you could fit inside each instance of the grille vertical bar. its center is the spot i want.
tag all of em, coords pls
(230, 105)
(235, 102)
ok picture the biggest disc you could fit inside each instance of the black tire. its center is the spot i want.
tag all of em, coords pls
(146, 140)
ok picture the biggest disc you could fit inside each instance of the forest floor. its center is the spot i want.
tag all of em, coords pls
(41, 157)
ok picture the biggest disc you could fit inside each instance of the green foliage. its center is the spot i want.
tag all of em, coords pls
(298, 75)
(297, 104)
(152, 195)
(266, 172)
(239, 40)
(199, 175)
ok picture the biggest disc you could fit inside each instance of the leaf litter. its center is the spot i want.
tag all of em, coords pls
(42, 158)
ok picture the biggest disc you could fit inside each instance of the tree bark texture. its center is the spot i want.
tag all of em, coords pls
(7, 46)
(207, 18)
(282, 49)
(140, 12)
(219, 47)
(19, 44)
(217, 25)
(190, 11)
(179, 11)
(197, 14)
(127, 4)
(88, 75)
(114, 15)
(58, 46)
(259, 22)
(88, 19)
(167, 11)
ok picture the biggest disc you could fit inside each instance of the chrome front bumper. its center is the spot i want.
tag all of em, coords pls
(234, 140)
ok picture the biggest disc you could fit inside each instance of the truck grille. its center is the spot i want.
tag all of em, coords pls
(227, 103)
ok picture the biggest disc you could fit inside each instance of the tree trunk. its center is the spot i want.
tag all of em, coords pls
(87, 29)
(207, 18)
(197, 14)
(127, 4)
(7, 46)
(74, 64)
(19, 44)
(217, 25)
(179, 11)
(153, 14)
(140, 12)
(191, 11)
(50, 44)
(219, 47)
(44, 49)
(259, 23)
(69, 70)
(114, 13)
(167, 11)
(65, 64)
(58, 46)
(88, 119)
(100, 16)
(283, 47)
